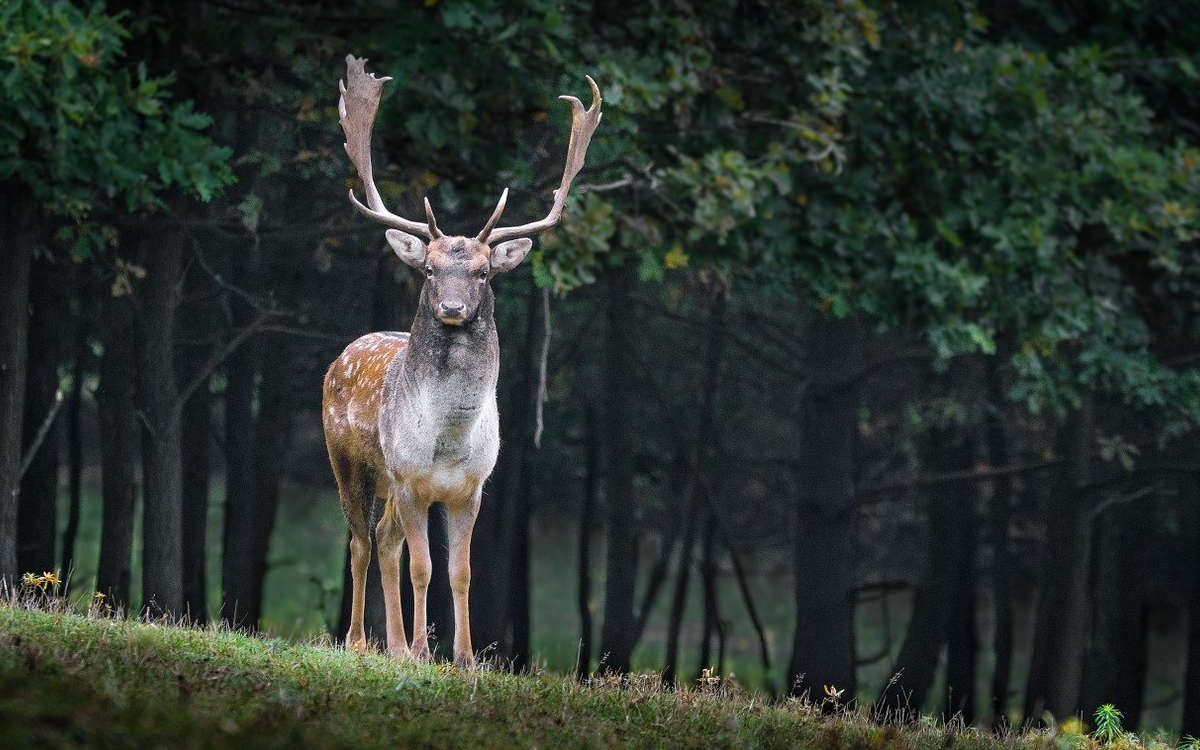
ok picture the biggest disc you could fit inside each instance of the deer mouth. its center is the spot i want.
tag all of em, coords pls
(451, 320)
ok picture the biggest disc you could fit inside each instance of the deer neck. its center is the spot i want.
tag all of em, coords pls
(453, 369)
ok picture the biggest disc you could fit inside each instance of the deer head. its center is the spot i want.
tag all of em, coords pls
(457, 269)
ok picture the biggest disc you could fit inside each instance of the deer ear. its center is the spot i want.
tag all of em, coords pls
(508, 255)
(408, 248)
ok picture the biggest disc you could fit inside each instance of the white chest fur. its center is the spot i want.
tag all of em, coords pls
(442, 436)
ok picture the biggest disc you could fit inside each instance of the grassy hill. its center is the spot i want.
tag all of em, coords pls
(68, 680)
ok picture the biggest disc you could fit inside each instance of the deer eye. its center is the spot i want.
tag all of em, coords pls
(483, 275)
(429, 272)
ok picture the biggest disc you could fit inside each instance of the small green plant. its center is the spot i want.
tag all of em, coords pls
(1188, 742)
(1108, 724)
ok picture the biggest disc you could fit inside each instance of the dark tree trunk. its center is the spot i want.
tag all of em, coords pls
(961, 643)
(1060, 626)
(1189, 491)
(521, 503)
(272, 432)
(17, 254)
(74, 449)
(115, 399)
(499, 566)
(162, 467)
(1002, 562)
(713, 626)
(1115, 662)
(39, 487)
(197, 424)
(693, 479)
(439, 601)
(237, 560)
(620, 562)
(935, 596)
(519, 584)
(679, 595)
(583, 666)
(825, 532)
(196, 325)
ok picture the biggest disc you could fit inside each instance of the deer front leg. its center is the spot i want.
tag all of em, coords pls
(460, 522)
(390, 539)
(415, 522)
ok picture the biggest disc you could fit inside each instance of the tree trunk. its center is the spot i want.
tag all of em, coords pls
(1056, 667)
(583, 666)
(826, 520)
(692, 480)
(197, 424)
(679, 596)
(522, 628)
(237, 547)
(115, 399)
(616, 641)
(713, 626)
(439, 601)
(272, 432)
(39, 487)
(1189, 491)
(196, 324)
(522, 488)
(162, 467)
(74, 449)
(1115, 663)
(496, 606)
(18, 213)
(961, 644)
(915, 666)
(1002, 562)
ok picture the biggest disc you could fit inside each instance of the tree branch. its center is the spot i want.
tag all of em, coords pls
(40, 437)
(217, 358)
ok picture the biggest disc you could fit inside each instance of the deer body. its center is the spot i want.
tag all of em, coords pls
(411, 417)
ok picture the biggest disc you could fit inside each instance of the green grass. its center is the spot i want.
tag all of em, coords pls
(68, 680)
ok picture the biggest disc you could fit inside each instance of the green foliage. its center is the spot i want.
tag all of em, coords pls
(994, 188)
(1108, 724)
(82, 132)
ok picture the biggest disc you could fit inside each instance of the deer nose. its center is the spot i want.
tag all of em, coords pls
(452, 308)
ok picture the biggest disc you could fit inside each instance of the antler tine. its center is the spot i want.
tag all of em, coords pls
(357, 105)
(491, 222)
(434, 232)
(583, 125)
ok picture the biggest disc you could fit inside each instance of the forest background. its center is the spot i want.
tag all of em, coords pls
(868, 338)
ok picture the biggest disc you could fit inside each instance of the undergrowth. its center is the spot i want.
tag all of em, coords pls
(71, 679)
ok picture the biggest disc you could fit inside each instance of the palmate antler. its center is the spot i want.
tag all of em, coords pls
(357, 107)
(583, 125)
(356, 112)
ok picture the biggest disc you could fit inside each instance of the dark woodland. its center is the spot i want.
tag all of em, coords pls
(863, 363)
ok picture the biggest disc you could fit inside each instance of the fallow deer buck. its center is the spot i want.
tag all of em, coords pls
(411, 417)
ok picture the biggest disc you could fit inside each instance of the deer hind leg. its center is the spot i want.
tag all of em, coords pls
(390, 537)
(356, 493)
(460, 521)
(414, 521)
